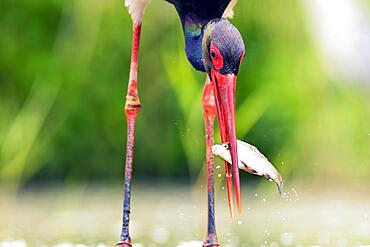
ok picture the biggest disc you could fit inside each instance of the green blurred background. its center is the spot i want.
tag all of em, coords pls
(64, 66)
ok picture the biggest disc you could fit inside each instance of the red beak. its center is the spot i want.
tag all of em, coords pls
(224, 88)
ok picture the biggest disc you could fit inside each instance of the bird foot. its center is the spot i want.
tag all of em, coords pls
(211, 244)
(211, 241)
(124, 243)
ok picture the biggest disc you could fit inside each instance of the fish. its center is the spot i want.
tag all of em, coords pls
(252, 161)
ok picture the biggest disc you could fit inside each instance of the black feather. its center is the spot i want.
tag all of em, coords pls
(200, 11)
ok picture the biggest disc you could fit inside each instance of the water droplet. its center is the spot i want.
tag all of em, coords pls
(256, 195)
(219, 175)
(160, 235)
(286, 238)
(218, 167)
(240, 222)
(264, 200)
(223, 187)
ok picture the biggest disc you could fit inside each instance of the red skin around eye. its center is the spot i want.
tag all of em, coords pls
(218, 62)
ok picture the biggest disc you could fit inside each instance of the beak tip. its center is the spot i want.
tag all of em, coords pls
(239, 209)
(238, 200)
(229, 192)
(237, 189)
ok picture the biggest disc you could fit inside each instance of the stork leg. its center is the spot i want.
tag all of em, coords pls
(132, 108)
(209, 112)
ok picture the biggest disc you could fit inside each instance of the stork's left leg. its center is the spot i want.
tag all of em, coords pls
(209, 112)
(132, 108)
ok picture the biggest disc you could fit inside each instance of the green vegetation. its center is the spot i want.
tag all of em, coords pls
(63, 76)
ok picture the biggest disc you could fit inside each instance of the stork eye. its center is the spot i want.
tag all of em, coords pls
(216, 57)
(213, 54)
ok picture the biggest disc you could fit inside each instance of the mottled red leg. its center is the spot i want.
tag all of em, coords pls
(132, 108)
(209, 112)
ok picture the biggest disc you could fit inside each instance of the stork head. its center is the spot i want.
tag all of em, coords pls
(223, 47)
(223, 50)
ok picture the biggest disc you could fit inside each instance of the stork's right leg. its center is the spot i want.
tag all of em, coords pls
(132, 108)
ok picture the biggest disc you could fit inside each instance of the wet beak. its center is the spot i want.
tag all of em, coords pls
(224, 88)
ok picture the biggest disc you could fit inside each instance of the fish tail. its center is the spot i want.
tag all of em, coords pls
(280, 184)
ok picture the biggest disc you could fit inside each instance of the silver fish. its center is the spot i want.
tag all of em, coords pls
(252, 161)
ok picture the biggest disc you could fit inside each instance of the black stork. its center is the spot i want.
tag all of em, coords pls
(214, 46)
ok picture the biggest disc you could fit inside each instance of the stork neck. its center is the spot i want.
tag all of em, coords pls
(193, 44)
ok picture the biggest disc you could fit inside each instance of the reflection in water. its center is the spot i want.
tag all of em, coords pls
(172, 217)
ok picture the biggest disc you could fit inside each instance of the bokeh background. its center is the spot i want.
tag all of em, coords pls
(303, 98)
